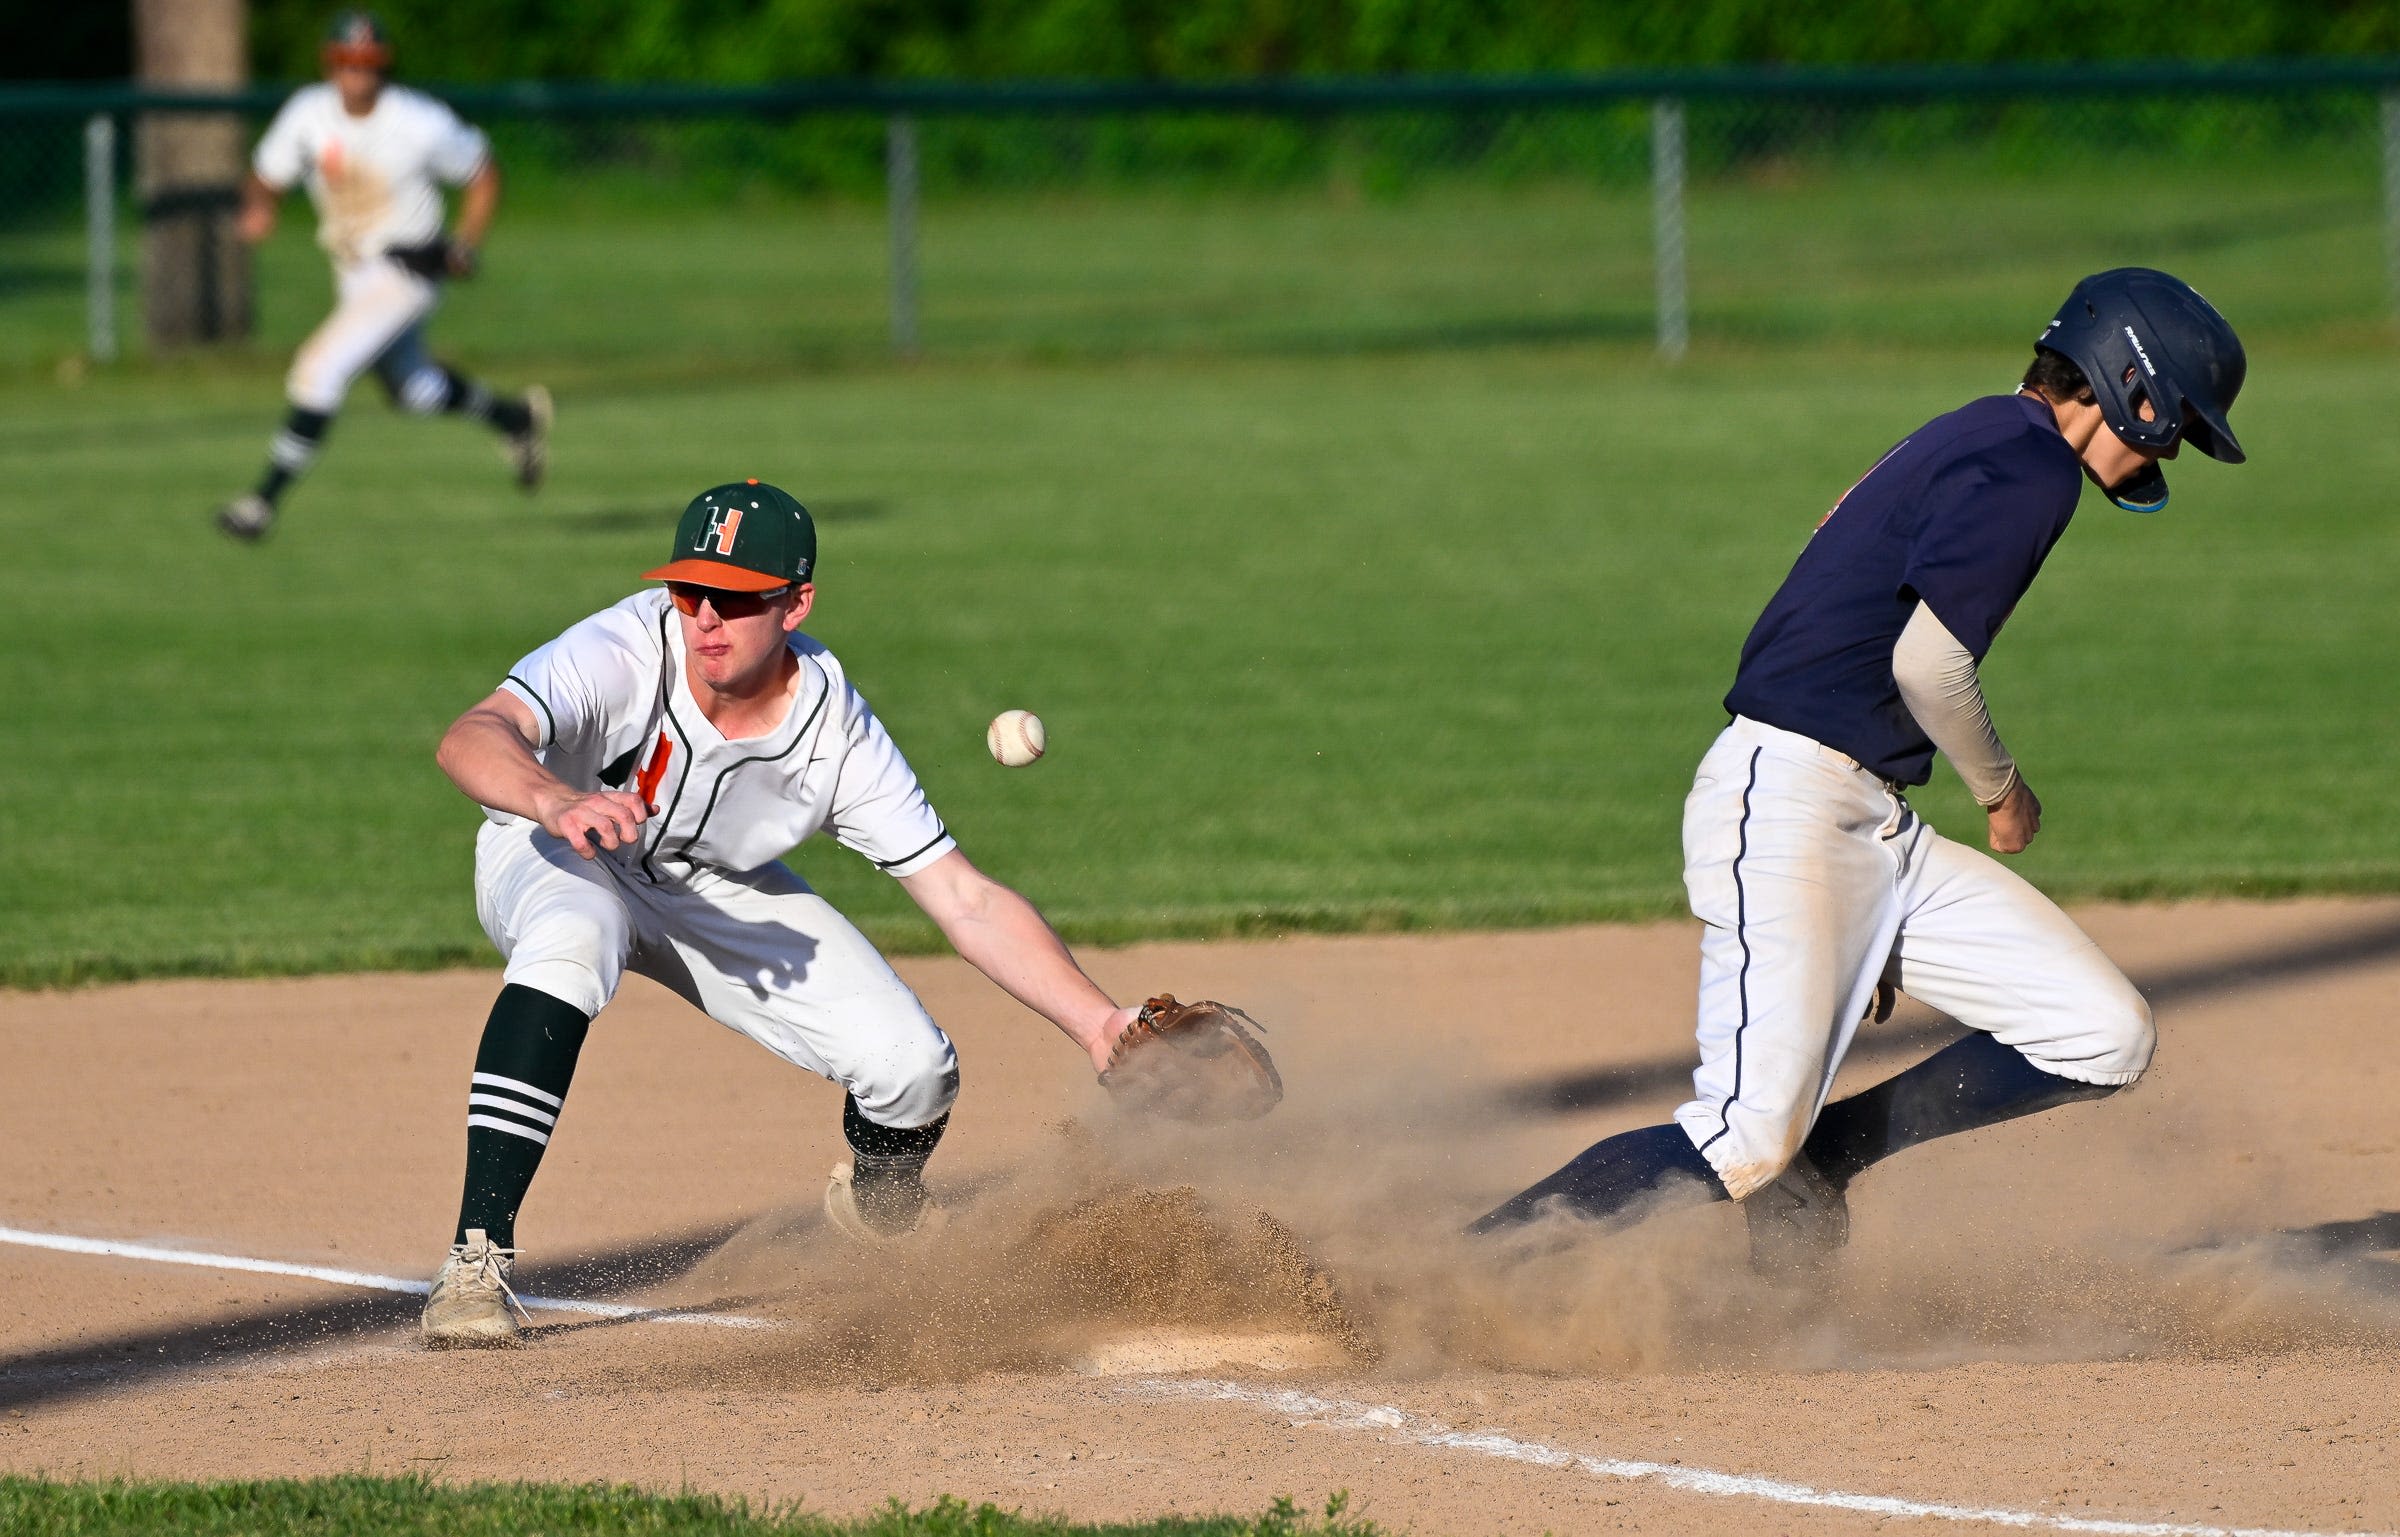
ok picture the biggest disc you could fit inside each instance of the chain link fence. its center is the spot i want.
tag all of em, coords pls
(658, 231)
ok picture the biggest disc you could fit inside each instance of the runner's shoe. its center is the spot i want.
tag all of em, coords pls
(1798, 1223)
(886, 1219)
(529, 451)
(247, 518)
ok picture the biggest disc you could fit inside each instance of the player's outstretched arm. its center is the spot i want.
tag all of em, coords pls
(1003, 936)
(488, 754)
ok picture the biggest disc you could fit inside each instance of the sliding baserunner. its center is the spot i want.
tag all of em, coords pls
(1819, 887)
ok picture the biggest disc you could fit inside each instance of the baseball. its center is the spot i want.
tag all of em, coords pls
(1015, 737)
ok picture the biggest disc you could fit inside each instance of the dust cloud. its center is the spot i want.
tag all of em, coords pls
(1341, 1214)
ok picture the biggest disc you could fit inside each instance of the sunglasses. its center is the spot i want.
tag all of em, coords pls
(729, 605)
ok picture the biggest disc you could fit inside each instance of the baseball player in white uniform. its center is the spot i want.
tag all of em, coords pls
(1819, 888)
(375, 157)
(642, 775)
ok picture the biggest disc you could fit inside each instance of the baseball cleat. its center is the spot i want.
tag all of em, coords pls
(470, 1304)
(883, 1218)
(529, 451)
(1798, 1223)
(247, 518)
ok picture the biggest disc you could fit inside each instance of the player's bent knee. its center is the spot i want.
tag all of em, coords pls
(316, 381)
(578, 957)
(315, 390)
(2125, 1023)
(2107, 1039)
(908, 1085)
(577, 983)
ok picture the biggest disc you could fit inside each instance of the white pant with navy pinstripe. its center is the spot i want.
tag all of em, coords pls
(1813, 879)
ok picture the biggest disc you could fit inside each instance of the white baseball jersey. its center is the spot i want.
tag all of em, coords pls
(376, 179)
(616, 712)
(702, 904)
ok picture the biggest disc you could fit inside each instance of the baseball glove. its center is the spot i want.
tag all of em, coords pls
(439, 258)
(1193, 1062)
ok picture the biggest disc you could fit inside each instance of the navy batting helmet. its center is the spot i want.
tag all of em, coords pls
(2140, 335)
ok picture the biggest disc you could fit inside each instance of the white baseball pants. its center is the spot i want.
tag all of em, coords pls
(1814, 879)
(377, 321)
(759, 953)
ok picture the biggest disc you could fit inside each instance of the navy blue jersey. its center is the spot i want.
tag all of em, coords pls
(1960, 515)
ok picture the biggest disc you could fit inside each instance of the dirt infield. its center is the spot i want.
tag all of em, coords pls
(2177, 1307)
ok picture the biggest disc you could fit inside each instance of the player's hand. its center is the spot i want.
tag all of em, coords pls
(255, 222)
(604, 819)
(2014, 819)
(460, 258)
(1100, 1046)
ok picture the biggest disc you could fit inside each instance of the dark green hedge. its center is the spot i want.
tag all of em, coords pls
(759, 40)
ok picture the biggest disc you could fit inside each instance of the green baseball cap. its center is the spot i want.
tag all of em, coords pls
(746, 536)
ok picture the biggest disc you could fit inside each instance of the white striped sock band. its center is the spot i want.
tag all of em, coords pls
(518, 1087)
(292, 452)
(513, 1128)
(515, 1107)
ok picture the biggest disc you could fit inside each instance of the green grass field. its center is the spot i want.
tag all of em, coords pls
(361, 1506)
(1398, 589)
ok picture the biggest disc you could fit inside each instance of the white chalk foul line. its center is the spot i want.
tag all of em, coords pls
(66, 1243)
(1419, 1430)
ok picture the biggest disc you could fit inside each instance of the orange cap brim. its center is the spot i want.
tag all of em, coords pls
(713, 573)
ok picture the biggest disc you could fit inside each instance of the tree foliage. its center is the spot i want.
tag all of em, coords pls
(747, 41)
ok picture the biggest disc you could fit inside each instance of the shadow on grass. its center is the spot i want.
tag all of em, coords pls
(135, 1358)
(587, 379)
